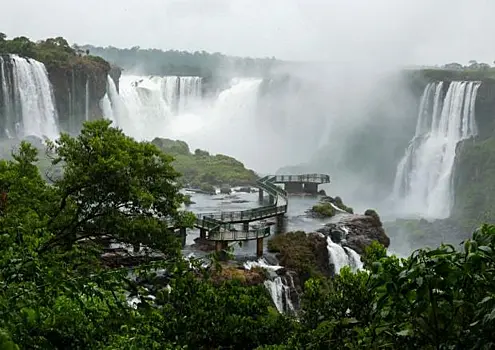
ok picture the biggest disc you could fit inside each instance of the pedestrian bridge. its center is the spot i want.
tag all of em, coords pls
(223, 227)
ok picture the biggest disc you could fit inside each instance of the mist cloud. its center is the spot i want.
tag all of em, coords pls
(387, 31)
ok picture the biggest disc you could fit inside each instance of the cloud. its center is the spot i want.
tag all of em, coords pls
(407, 31)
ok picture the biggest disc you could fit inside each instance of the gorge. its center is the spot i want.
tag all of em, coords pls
(416, 145)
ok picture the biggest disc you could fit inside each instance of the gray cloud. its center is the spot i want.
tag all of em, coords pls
(391, 31)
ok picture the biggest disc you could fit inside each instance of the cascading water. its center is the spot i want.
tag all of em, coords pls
(342, 256)
(423, 179)
(86, 107)
(216, 122)
(279, 287)
(28, 100)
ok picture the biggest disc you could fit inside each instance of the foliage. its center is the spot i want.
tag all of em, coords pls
(435, 299)
(53, 52)
(173, 62)
(324, 209)
(202, 170)
(55, 293)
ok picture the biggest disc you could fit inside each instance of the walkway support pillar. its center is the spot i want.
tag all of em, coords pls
(260, 195)
(311, 187)
(280, 223)
(202, 233)
(259, 247)
(271, 199)
(294, 187)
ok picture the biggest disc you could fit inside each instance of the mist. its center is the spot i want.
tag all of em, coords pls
(359, 31)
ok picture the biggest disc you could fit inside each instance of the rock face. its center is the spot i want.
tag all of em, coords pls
(357, 231)
(78, 89)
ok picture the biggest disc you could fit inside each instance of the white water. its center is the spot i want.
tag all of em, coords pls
(340, 257)
(7, 102)
(423, 179)
(237, 121)
(86, 107)
(279, 291)
(35, 97)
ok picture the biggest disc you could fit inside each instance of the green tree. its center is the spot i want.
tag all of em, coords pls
(114, 186)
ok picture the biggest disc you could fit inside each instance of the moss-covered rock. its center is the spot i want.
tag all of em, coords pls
(326, 208)
(306, 254)
(202, 170)
(229, 271)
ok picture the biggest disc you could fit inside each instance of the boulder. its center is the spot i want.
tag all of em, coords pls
(225, 190)
(359, 232)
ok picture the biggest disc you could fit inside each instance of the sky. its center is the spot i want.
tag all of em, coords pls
(380, 31)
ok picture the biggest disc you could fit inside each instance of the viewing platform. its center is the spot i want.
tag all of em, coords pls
(225, 227)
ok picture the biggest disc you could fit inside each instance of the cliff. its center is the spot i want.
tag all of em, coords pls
(78, 79)
(78, 87)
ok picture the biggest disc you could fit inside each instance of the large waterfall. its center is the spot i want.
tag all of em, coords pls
(423, 179)
(27, 99)
(243, 117)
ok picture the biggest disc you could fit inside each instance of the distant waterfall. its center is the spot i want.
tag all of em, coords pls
(423, 179)
(27, 98)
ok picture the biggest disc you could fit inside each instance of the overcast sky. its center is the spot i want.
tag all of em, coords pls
(405, 31)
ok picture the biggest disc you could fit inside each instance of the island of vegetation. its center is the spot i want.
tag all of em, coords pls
(201, 170)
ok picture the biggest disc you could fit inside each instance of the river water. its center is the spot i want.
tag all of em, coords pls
(296, 218)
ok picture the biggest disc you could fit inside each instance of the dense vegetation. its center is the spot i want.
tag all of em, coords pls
(53, 52)
(327, 207)
(173, 62)
(55, 292)
(202, 170)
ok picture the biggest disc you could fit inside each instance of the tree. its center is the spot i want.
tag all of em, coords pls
(114, 186)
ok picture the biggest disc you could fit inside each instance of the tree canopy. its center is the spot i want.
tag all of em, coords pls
(56, 292)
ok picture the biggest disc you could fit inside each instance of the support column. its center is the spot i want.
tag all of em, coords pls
(260, 195)
(271, 200)
(202, 233)
(311, 187)
(183, 234)
(280, 223)
(245, 226)
(259, 247)
(294, 187)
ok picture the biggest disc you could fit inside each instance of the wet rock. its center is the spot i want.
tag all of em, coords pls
(225, 190)
(362, 230)
(322, 193)
(336, 233)
(203, 244)
(244, 189)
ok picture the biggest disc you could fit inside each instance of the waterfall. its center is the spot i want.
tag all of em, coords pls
(7, 114)
(280, 293)
(86, 107)
(279, 287)
(342, 256)
(423, 178)
(28, 101)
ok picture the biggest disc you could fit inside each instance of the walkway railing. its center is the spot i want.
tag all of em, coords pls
(220, 224)
(306, 178)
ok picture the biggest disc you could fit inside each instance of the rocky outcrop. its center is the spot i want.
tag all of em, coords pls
(78, 88)
(305, 254)
(357, 231)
